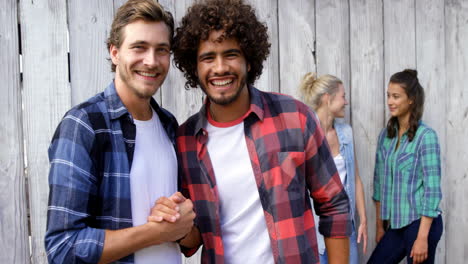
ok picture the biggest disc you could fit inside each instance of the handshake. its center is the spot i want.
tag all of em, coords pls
(176, 215)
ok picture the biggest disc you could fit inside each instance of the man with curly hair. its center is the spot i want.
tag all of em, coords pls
(249, 158)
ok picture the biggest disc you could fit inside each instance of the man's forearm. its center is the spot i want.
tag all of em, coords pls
(123, 242)
(337, 250)
(193, 239)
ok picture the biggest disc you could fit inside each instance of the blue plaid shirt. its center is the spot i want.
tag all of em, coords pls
(90, 159)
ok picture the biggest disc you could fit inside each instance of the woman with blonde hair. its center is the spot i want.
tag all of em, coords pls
(326, 96)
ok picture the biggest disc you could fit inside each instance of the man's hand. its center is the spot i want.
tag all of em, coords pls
(182, 226)
(167, 208)
(176, 213)
(122, 242)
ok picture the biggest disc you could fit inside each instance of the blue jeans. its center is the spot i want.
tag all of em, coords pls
(396, 244)
(353, 250)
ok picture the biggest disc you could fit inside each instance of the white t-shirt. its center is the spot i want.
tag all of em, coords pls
(341, 167)
(244, 231)
(153, 174)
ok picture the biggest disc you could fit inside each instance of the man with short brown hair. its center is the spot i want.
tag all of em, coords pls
(114, 155)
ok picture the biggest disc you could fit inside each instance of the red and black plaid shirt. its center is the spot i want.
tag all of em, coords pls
(290, 160)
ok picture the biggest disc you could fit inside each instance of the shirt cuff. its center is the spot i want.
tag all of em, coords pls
(188, 252)
(336, 226)
(376, 198)
(430, 213)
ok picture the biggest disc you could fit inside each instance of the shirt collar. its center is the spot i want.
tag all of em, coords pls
(256, 108)
(115, 106)
(343, 138)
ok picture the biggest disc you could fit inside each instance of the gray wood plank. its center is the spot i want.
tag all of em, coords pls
(456, 92)
(267, 12)
(399, 35)
(296, 38)
(46, 95)
(367, 102)
(430, 45)
(181, 102)
(14, 243)
(117, 4)
(363, 42)
(89, 27)
(332, 29)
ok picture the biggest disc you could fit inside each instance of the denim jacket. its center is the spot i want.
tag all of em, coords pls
(345, 138)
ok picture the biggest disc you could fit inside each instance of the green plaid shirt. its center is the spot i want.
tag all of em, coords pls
(407, 179)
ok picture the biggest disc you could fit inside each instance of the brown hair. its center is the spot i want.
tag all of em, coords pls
(408, 80)
(133, 10)
(236, 19)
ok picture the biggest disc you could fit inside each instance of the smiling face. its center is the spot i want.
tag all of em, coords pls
(142, 61)
(398, 102)
(221, 69)
(338, 103)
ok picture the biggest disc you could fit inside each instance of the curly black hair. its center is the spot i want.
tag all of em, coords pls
(236, 19)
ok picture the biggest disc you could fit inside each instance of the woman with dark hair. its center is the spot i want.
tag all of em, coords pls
(407, 176)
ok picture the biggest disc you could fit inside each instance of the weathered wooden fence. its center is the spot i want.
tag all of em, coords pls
(63, 62)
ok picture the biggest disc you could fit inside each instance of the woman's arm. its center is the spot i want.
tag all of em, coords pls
(379, 228)
(361, 209)
(378, 171)
(431, 176)
(419, 250)
(360, 204)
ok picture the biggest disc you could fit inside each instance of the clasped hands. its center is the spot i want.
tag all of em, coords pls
(177, 212)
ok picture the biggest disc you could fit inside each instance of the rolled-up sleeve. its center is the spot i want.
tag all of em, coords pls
(72, 193)
(184, 189)
(430, 158)
(330, 199)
